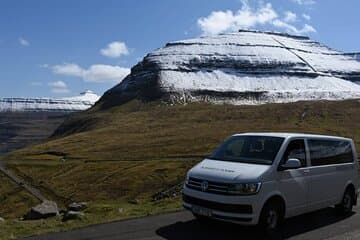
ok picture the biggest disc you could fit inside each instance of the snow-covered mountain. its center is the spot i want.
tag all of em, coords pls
(71, 104)
(246, 67)
(357, 56)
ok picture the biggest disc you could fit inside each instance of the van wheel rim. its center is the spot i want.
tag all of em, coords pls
(272, 219)
(347, 202)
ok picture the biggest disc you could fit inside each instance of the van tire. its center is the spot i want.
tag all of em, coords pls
(271, 217)
(202, 219)
(347, 203)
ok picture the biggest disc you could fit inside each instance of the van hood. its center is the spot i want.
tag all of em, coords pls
(224, 171)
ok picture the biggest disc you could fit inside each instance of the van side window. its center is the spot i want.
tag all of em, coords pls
(325, 152)
(295, 149)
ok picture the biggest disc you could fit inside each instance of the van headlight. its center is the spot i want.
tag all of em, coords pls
(245, 188)
(187, 179)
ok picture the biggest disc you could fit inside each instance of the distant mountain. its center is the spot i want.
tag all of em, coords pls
(70, 104)
(247, 67)
(357, 56)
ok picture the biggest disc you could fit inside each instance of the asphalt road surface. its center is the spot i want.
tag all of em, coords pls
(323, 224)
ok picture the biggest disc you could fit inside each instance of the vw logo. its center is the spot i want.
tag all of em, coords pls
(204, 186)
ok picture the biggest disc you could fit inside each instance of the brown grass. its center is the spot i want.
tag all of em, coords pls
(137, 131)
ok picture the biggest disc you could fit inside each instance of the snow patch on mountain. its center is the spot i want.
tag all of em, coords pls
(247, 67)
(71, 104)
(87, 96)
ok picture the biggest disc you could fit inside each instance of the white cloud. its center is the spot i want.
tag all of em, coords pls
(24, 42)
(115, 49)
(60, 90)
(307, 29)
(58, 84)
(69, 69)
(248, 17)
(292, 29)
(304, 2)
(290, 17)
(59, 87)
(95, 73)
(306, 16)
(101, 73)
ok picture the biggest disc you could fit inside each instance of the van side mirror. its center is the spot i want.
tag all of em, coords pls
(291, 163)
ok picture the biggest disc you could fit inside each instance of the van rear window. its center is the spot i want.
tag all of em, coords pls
(326, 152)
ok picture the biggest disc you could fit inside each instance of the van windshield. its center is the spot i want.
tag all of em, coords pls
(248, 149)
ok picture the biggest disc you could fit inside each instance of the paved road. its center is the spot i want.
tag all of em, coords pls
(320, 225)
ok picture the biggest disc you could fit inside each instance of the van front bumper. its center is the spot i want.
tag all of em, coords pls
(237, 209)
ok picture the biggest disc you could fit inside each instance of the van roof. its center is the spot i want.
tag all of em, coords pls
(287, 135)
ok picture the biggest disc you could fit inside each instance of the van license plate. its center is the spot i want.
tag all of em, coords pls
(201, 211)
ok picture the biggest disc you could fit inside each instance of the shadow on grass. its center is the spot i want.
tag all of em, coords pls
(194, 229)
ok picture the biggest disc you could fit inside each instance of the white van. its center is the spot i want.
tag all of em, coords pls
(263, 178)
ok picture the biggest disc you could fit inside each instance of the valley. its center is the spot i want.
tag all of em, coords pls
(130, 152)
(20, 129)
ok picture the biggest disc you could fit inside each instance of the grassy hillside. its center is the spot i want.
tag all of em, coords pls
(135, 150)
(120, 157)
(14, 201)
(137, 131)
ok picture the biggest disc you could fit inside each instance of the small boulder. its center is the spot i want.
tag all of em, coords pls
(2, 220)
(71, 215)
(44, 210)
(77, 206)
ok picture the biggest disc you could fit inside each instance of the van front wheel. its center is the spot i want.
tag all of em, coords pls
(346, 205)
(202, 219)
(270, 218)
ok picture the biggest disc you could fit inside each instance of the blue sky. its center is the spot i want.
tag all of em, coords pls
(61, 47)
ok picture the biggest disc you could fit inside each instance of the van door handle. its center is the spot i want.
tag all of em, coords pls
(306, 171)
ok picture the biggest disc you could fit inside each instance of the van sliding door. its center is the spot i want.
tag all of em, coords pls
(330, 164)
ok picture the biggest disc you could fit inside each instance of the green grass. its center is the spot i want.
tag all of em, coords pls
(106, 186)
(128, 153)
(93, 181)
(14, 201)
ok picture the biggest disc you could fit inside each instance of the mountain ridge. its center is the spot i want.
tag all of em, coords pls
(70, 104)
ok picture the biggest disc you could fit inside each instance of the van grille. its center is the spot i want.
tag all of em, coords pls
(213, 187)
(222, 207)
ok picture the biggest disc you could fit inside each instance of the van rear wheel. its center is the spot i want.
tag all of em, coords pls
(347, 203)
